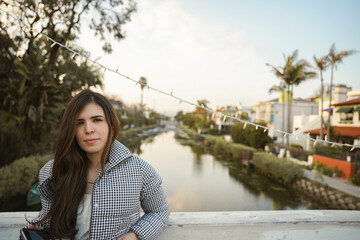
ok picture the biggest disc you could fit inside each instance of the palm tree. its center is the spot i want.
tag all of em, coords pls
(322, 64)
(201, 111)
(294, 72)
(143, 83)
(280, 88)
(335, 59)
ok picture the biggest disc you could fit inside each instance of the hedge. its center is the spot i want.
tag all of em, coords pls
(18, 177)
(280, 168)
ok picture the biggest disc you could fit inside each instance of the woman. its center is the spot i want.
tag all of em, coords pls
(94, 187)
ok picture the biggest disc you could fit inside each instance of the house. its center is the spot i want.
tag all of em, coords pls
(274, 114)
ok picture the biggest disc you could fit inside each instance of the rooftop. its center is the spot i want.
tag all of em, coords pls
(342, 131)
(350, 102)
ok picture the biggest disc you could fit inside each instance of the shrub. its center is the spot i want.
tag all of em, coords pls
(293, 145)
(299, 153)
(355, 180)
(238, 150)
(325, 170)
(333, 152)
(249, 136)
(280, 168)
(221, 146)
(17, 177)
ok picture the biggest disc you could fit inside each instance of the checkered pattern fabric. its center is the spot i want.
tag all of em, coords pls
(128, 184)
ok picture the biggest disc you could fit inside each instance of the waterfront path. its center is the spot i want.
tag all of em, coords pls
(333, 183)
(264, 225)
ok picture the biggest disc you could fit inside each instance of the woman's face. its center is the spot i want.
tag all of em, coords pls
(92, 130)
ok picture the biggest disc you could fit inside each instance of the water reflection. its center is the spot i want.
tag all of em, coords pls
(195, 181)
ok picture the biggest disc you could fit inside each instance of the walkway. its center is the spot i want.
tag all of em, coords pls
(333, 183)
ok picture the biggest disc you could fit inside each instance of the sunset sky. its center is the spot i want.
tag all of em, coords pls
(218, 50)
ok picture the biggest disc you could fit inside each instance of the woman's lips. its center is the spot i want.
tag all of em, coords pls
(92, 140)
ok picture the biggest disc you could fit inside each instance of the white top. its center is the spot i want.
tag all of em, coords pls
(83, 218)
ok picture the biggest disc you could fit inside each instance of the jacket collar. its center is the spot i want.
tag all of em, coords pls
(118, 153)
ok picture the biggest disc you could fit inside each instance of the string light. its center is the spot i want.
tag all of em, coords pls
(160, 91)
(285, 135)
(213, 115)
(244, 126)
(256, 127)
(224, 118)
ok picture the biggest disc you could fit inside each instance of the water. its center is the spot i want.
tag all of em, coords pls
(193, 181)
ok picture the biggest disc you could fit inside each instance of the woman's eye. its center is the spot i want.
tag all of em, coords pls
(78, 123)
(97, 120)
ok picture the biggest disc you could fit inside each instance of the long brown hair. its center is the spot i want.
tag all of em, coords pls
(69, 173)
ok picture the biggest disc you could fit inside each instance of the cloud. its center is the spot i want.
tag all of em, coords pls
(179, 52)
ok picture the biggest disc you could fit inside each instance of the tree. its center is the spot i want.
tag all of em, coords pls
(143, 83)
(250, 136)
(335, 59)
(294, 72)
(37, 77)
(322, 64)
(201, 111)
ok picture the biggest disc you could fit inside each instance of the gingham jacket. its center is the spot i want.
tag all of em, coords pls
(128, 183)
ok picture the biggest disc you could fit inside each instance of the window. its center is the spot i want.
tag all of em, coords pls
(346, 114)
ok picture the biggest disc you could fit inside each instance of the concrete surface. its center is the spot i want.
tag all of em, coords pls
(336, 184)
(264, 225)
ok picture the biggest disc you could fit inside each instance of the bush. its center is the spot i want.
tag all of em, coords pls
(355, 180)
(280, 168)
(249, 136)
(293, 145)
(238, 150)
(17, 177)
(326, 170)
(298, 153)
(333, 152)
(221, 146)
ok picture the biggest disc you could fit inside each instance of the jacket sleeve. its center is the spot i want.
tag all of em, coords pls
(45, 190)
(154, 204)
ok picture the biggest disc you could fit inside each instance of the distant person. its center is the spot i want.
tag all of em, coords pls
(94, 187)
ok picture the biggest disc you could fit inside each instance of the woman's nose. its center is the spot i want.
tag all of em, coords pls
(89, 128)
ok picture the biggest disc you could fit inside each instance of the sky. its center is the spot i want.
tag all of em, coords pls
(218, 50)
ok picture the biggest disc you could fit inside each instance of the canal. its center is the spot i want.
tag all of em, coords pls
(196, 181)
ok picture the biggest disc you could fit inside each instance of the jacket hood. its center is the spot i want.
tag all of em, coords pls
(118, 153)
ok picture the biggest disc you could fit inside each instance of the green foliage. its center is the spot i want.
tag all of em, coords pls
(355, 180)
(293, 145)
(326, 170)
(299, 153)
(332, 152)
(221, 146)
(38, 79)
(17, 177)
(280, 168)
(195, 121)
(249, 136)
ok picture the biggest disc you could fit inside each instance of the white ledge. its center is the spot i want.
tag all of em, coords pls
(287, 224)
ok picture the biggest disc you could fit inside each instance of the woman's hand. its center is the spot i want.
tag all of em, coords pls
(33, 227)
(128, 236)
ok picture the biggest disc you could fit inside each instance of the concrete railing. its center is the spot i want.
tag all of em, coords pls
(287, 224)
